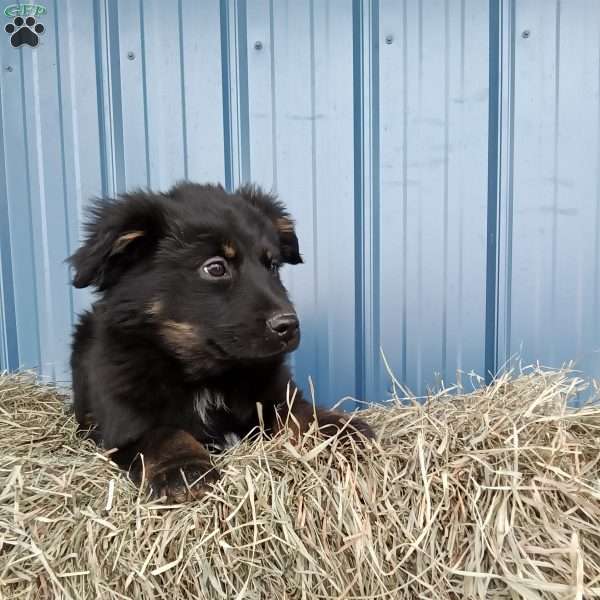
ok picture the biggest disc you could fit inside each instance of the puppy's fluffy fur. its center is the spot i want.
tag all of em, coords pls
(190, 330)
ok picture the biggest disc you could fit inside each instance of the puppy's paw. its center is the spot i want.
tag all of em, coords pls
(184, 483)
(330, 423)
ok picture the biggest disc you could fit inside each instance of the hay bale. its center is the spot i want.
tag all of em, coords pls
(493, 494)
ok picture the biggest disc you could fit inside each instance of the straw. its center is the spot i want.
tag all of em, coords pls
(491, 494)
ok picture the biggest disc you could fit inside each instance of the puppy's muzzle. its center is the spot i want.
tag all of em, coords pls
(284, 325)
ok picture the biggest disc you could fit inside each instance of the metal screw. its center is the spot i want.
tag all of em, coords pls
(526, 34)
(9, 69)
(258, 45)
(131, 55)
(389, 39)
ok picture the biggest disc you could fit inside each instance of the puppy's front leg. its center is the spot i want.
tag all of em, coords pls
(174, 463)
(301, 414)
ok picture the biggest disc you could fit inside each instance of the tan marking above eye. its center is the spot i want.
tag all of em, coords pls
(284, 225)
(228, 250)
(123, 240)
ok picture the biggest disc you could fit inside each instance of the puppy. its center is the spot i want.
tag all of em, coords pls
(190, 331)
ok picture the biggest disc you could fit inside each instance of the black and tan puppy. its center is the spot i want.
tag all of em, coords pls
(190, 330)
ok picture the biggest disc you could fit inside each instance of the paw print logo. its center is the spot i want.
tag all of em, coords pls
(24, 31)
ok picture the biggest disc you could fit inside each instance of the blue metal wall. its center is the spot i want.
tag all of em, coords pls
(441, 159)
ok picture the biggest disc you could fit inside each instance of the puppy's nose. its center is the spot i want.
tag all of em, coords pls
(284, 325)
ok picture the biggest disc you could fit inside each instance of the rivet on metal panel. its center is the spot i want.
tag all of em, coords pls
(258, 45)
(389, 38)
(9, 68)
(526, 34)
(131, 55)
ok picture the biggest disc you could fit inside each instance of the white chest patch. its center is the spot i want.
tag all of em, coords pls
(206, 402)
(231, 439)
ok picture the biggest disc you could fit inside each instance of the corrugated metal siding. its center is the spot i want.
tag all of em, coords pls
(376, 122)
(550, 271)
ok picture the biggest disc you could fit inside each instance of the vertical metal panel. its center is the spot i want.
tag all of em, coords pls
(467, 114)
(433, 188)
(162, 57)
(551, 313)
(35, 168)
(202, 88)
(308, 149)
(18, 275)
(9, 350)
(370, 119)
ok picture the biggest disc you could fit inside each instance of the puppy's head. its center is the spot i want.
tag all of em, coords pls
(195, 271)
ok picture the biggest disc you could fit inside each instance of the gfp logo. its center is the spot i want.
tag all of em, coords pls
(25, 10)
(24, 28)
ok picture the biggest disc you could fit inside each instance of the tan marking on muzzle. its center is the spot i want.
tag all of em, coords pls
(179, 332)
(182, 337)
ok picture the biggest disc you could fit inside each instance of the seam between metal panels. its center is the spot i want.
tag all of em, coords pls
(226, 91)
(319, 353)
(365, 17)
(236, 121)
(9, 353)
(375, 237)
(182, 90)
(4, 238)
(555, 183)
(510, 191)
(3, 338)
(63, 167)
(597, 240)
(234, 60)
(419, 153)
(100, 97)
(30, 208)
(116, 107)
(113, 120)
(107, 101)
(444, 357)
(358, 233)
(144, 92)
(494, 126)
(404, 188)
(243, 102)
(273, 95)
(461, 215)
(505, 185)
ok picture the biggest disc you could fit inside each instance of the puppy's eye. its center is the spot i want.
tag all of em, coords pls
(215, 268)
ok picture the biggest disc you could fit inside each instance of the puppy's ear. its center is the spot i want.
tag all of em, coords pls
(275, 210)
(119, 233)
